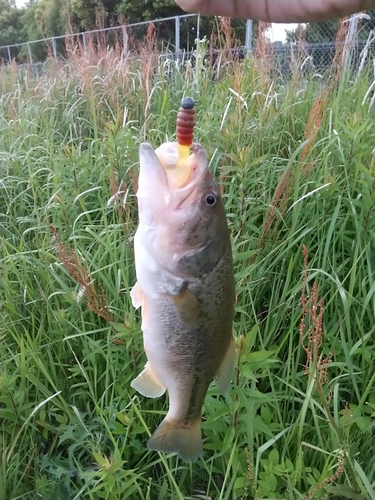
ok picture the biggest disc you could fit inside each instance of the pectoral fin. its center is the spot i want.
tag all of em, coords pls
(136, 296)
(188, 306)
(147, 383)
(139, 300)
(224, 374)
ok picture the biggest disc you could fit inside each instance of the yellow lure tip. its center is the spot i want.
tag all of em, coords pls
(183, 152)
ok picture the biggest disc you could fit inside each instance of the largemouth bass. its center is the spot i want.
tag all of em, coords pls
(185, 287)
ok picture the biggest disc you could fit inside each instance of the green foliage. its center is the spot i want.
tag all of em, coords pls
(49, 18)
(71, 425)
(86, 15)
(44, 19)
(11, 27)
(150, 9)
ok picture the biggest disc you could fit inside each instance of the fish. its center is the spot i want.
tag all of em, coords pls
(185, 288)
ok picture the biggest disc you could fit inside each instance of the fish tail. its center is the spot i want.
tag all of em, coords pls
(172, 437)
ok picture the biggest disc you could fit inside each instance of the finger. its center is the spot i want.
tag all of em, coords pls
(278, 11)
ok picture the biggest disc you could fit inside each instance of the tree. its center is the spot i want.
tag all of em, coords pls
(147, 10)
(43, 19)
(91, 14)
(11, 28)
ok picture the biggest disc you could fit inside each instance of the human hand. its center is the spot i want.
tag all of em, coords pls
(277, 11)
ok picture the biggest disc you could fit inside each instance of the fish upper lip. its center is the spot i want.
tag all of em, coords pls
(150, 166)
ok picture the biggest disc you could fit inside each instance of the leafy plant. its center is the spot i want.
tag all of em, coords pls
(297, 174)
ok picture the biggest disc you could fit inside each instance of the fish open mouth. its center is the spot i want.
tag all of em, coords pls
(168, 176)
(177, 163)
(181, 164)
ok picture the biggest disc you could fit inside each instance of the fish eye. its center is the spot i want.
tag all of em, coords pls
(211, 199)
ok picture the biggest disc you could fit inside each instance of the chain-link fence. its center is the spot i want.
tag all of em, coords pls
(312, 46)
(316, 46)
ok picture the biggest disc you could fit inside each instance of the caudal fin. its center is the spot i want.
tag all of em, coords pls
(170, 438)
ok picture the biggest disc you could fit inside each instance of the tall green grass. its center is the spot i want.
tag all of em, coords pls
(296, 163)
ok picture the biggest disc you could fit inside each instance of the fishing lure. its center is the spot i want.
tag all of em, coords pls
(185, 123)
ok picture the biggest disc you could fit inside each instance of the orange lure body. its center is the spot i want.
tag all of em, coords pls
(185, 122)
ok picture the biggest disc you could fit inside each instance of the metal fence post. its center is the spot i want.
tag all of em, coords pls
(349, 42)
(198, 27)
(29, 51)
(249, 34)
(84, 42)
(177, 35)
(124, 41)
(54, 48)
(9, 54)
